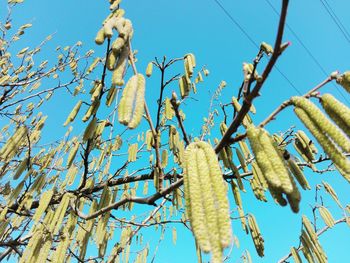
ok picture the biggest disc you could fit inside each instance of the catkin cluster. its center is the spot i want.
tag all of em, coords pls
(206, 199)
(185, 83)
(131, 105)
(11, 147)
(117, 59)
(312, 249)
(333, 140)
(272, 166)
(305, 147)
(256, 235)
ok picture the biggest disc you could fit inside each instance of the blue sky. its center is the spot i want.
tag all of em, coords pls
(174, 28)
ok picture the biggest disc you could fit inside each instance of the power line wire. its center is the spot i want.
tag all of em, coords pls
(336, 20)
(237, 24)
(308, 51)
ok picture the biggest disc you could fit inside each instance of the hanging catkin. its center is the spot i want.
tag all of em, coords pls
(206, 199)
(273, 167)
(337, 111)
(322, 122)
(131, 106)
(341, 162)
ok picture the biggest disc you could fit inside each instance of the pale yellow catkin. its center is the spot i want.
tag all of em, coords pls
(337, 111)
(322, 122)
(197, 213)
(131, 106)
(120, 68)
(262, 158)
(341, 162)
(43, 204)
(212, 222)
(149, 69)
(219, 192)
(329, 189)
(73, 113)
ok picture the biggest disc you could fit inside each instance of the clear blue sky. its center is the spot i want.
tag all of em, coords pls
(174, 28)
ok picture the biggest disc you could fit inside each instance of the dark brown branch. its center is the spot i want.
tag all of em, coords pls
(255, 92)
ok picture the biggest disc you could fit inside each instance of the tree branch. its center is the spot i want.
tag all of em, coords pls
(255, 92)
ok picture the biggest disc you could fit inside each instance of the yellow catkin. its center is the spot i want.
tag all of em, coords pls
(326, 216)
(44, 249)
(118, 44)
(91, 110)
(84, 232)
(307, 253)
(307, 141)
(11, 199)
(256, 235)
(132, 152)
(186, 187)
(97, 91)
(242, 160)
(236, 194)
(277, 161)
(295, 255)
(209, 204)
(13, 143)
(21, 167)
(314, 246)
(59, 255)
(329, 189)
(197, 213)
(100, 37)
(168, 109)
(72, 153)
(174, 235)
(262, 159)
(302, 146)
(131, 106)
(111, 96)
(309, 229)
(139, 102)
(56, 223)
(111, 60)
(244, 147)
(220, 190)
(199, 77)
(149, 140)
(237, 106)
(298, 173)
(164, 156)
(90, 129)
(337, 111)
(259, 175)
(44, 202)
(149, 69)
(93, 65)
(294, 197)
(73, 113)
(341, 162)
(258, 190)
(120, 68)
(322, 122)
